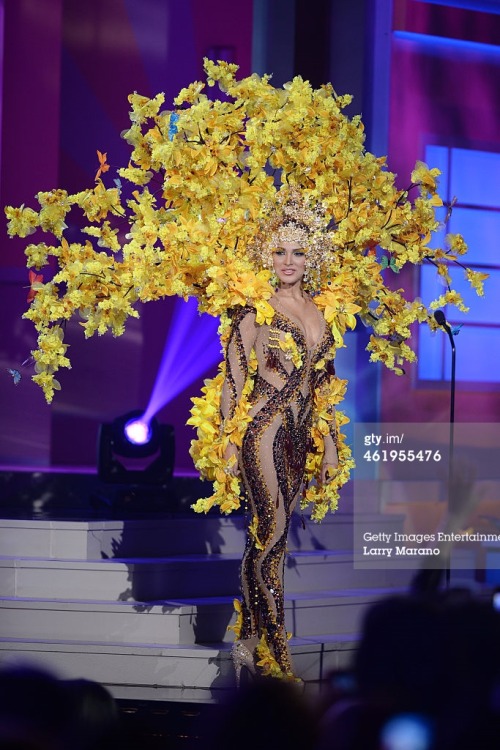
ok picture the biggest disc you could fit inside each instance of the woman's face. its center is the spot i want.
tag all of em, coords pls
(289, 261)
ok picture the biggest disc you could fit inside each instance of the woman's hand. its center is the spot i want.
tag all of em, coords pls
(231, 459)
(329, 466)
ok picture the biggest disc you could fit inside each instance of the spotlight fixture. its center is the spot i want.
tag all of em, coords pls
(132, 450)
(138, 431)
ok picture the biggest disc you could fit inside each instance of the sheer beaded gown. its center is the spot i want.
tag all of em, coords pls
(273, 455)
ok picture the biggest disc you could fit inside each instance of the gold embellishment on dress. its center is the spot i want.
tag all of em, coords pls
(274, 338)
(273, 347)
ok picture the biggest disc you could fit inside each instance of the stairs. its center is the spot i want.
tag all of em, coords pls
(143, 605)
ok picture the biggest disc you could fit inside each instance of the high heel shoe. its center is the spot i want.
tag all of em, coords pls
(242, 657)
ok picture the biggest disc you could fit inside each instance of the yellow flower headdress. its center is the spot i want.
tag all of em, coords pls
(208, 230)
(196, 236)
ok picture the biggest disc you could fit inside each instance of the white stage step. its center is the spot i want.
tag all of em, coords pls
(139, 580)
(144, 606)
(177, 622)
(161, 537)
(182, 576)
(183, 673)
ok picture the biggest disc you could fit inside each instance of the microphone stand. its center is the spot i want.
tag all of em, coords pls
(427, 580)
(441, 321)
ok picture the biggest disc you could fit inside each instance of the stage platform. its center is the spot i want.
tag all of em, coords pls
(139, 598)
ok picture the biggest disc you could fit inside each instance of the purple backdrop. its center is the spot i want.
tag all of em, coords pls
(68, 67)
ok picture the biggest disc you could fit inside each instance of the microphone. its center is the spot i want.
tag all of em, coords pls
(441, 320)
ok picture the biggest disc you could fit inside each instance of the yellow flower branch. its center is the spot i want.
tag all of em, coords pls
(214, 166)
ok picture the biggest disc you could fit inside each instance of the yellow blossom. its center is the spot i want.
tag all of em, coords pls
(265, 312)
(253, 530)
(201, 176)
(289, 347)
(266, 662)
(22, 221)
(476, 279)
(236, 628)
(425, 177)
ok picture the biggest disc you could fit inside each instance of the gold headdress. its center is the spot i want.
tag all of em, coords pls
(292, 219)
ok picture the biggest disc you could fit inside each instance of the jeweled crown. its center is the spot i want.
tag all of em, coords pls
(291, 218)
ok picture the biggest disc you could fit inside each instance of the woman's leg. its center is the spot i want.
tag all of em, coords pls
(269, 465)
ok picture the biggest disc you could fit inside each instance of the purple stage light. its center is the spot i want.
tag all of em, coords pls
(133, 451)
(138, 431)
(192, 347)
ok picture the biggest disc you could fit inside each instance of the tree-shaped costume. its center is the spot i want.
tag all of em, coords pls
(206, 177)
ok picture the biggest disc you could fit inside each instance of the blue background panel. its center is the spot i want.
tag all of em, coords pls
(475, 177)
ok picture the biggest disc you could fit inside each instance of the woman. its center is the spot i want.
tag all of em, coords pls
(273, 453)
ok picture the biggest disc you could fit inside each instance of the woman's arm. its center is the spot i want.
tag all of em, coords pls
(330, 461)
(240, 343)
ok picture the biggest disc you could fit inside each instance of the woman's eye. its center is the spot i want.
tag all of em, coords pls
(299, 254)
(279, 252)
